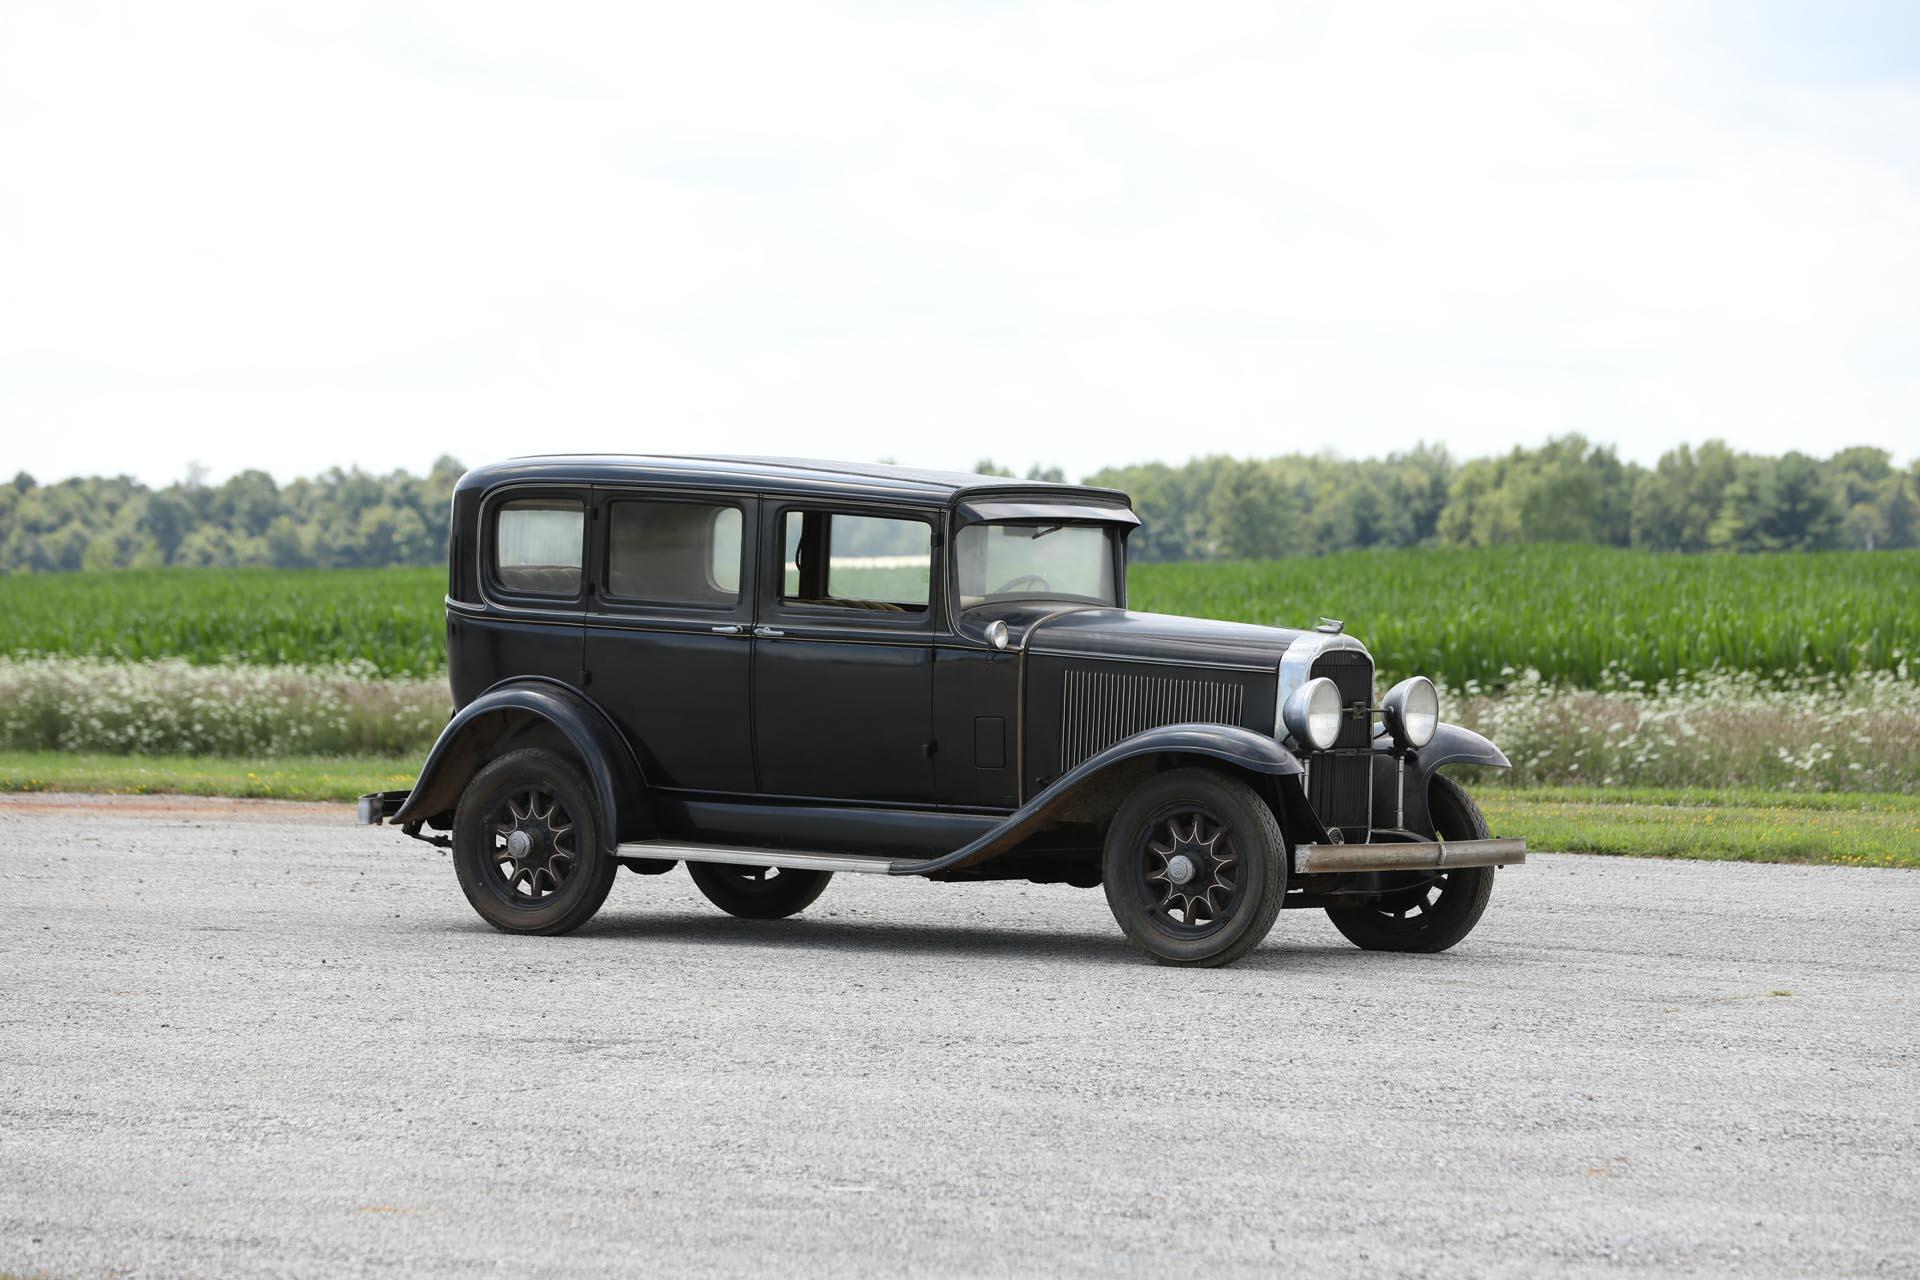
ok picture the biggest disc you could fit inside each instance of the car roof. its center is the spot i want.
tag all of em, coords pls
(786, 475)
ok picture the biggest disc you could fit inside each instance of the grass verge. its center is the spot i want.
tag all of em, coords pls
(282, 778)
(1859, 829)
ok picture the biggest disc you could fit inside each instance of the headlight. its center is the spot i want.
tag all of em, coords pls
(1412, 711)
(1312, 713)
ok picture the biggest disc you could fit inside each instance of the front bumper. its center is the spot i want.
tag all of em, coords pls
(1411, 855)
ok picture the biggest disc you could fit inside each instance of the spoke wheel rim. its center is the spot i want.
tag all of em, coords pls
(1190, 875)
(758, 880)
(1414, 907)
(531, 853)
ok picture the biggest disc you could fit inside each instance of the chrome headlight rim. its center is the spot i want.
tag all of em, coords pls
(1411, 712)
(1312, 714)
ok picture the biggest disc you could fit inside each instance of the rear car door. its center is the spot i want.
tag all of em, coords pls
(843, 653)
(668, 648)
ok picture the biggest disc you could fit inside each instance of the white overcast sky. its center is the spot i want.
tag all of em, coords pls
(293, 237)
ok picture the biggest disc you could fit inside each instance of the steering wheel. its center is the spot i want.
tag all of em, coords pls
(1014, 584)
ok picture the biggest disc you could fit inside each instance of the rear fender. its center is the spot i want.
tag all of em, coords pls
(527, 711)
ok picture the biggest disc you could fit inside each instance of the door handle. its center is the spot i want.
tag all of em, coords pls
(731, 629)
(768, 633)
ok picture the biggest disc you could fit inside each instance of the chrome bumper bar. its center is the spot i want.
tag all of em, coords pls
(1423, 855)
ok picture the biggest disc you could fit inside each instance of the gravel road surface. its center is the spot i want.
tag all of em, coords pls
(254, 1039)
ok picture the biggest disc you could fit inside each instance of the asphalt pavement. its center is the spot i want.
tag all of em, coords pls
(243, 1039)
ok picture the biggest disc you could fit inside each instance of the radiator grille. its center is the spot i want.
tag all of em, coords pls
(1352, 674)
(1340, 787)
(1100, 708)
(1340, 781)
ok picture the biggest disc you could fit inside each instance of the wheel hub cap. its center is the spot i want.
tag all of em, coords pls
(519, 845)
(1180, 868)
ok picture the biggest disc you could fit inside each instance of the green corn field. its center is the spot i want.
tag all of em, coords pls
(1578, 615)
(391, 620)
(1574, 613)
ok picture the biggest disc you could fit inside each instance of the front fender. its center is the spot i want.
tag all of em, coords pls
(1406, 796)
(1453, 745)
(527, 709)
(1259, 752)
(1083, 786)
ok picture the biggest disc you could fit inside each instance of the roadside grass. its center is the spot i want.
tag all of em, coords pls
(281, 778)
(1740, 825)
(1732, 824)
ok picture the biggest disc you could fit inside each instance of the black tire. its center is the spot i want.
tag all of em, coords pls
(1437, 911)
(1195, 815)
(758, 893)
(554, 879)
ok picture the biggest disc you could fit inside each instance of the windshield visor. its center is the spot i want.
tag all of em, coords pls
(1034, 561)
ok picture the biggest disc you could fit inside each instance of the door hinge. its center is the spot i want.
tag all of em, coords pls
(586, 677)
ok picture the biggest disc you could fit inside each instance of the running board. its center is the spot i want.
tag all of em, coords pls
(1421, 855)
(748, 856)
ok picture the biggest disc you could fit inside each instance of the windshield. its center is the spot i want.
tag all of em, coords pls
(1034, 561)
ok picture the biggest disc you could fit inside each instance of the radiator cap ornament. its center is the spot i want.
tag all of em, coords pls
(1332, 626)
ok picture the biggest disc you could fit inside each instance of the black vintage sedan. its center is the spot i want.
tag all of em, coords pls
(774, 670)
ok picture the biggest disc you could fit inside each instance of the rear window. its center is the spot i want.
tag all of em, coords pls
(685, 553)
(537, 546)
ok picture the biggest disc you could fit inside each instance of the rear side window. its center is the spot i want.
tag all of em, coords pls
(537, 546)
(683, 553)
(875, 563)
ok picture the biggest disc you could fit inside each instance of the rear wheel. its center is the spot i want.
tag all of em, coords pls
(1433, 911)
(758, 893)
(526, 845)
(1195, 868)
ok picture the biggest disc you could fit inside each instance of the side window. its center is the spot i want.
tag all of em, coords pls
(684, 553)
(537, 545)
(875, 563)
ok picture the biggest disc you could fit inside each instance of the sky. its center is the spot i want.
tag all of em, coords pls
(294, 237)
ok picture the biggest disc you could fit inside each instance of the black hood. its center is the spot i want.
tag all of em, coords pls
(1124, 634)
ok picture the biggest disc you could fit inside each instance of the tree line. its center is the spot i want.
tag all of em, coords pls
(341, 519)
(1710, 498)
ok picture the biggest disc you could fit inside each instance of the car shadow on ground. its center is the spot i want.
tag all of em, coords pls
(1091, 946)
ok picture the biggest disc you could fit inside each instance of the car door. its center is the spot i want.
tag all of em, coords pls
(843, 653)
(668, 649)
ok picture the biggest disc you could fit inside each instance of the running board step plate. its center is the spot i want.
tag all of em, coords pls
(1424, 855)
(748, 856)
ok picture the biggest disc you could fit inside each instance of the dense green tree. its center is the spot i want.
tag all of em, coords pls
(1565, 491)
(1252, 515)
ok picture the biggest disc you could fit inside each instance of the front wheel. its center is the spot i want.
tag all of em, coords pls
(1195, 868)
(1435, 909)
